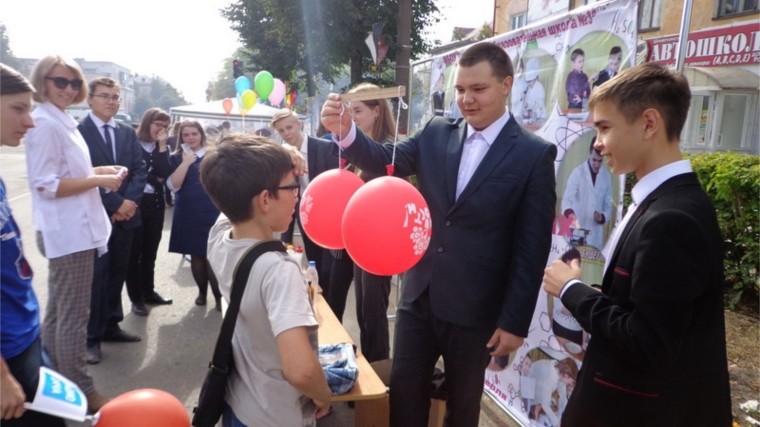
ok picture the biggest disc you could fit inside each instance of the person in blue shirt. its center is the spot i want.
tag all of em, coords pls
(19, 311)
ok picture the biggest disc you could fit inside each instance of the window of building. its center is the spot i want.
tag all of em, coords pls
(650, 12)
(733, 7)
(517, 21)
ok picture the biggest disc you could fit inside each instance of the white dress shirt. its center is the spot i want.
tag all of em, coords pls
(304, 179)
(111, 129)
(56, 150)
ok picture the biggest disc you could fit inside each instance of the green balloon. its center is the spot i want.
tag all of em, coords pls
(264, 83)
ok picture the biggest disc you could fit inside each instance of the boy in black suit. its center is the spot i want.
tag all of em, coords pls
(657, 355)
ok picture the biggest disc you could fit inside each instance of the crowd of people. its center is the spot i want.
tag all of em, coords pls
(99, 190)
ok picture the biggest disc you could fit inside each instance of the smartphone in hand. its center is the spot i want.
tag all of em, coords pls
(186, 148)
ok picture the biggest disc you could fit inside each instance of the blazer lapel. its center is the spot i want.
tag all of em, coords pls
(311, 162)
(453, 157)
(97, 140)
(494, 156)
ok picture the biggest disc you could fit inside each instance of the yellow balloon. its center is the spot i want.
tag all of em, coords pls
(243, 110)
(249, 99)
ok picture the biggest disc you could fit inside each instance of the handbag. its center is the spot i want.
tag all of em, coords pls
(211, 399)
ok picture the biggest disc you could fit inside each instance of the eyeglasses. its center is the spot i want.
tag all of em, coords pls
(160, 125)
(295, 187)
(62, 82)
(105, 97)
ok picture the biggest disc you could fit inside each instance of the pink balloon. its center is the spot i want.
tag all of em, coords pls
(323, 203)
(387, 226)
(144, 407)
(278, 92)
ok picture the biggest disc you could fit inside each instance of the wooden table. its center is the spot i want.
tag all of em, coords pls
(369, 392)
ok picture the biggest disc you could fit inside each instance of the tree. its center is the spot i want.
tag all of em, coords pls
(6, 54)
(161, 94)
(299, 40)
(486, 32)
(224, 84)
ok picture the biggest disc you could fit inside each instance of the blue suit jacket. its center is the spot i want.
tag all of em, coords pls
(488, 248)
(129, 154)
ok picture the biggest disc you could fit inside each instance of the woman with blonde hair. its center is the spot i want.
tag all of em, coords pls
(152, 134)
(72, 224)
(194, 212)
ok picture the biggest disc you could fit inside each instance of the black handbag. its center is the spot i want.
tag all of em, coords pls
(211, 400)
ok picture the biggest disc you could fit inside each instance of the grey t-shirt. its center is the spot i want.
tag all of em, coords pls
(276, 299)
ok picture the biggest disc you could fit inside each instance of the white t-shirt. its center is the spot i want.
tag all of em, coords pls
(276, 299)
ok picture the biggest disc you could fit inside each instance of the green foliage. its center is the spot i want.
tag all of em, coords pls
(732, 181)
(298, 41)
(161, 95)
(6, 54)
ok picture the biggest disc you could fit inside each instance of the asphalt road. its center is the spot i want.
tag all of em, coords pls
(178, 339)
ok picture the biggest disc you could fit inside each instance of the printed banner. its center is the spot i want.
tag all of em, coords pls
(714, 47)
(59, 396)
(558, 62)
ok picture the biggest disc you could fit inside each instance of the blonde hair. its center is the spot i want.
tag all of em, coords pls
(282, 114)
(41, 70)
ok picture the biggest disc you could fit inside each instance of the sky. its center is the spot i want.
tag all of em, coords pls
(185, 43)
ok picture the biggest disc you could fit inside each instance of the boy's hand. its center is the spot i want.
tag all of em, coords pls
(300, 167)
(322, 408)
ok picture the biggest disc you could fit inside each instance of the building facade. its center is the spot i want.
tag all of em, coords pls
(722, 61)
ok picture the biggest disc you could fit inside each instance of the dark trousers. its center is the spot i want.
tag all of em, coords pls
(107, 283)
(372, 292)
(142, 258)
(420, 339)
(25, 368)
(341, 275)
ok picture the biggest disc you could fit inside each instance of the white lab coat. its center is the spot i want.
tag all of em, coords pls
(583, 197)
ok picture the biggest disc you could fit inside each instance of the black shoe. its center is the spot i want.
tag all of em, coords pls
(218, 301)
(120, 335)
(201, 300)
(93, 356)
(156, 299)
(140, 309)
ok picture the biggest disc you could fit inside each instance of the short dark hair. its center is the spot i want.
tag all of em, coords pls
(616, 52)
(570, 255)
(151, 115)
(12, 82)
(576, 53)
(645, 86)
(495, 55)
(102, 81)
(239, 169)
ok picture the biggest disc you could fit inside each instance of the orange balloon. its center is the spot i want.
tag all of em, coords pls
(323, 203)
(141, 408)
(227, 105)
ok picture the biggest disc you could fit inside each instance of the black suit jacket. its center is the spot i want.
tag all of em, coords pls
(488, 248)
(603, 78)
(320, 156)
(129, 154)
(657, 355)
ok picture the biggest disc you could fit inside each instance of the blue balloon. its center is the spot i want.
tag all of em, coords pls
(240, 100)
(242, 84)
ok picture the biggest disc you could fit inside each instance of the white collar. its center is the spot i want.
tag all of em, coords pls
(654, 179)
(491, 132)
(99, 123)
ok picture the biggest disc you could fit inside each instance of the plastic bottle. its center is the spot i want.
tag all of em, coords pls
(584, 102)
(300, 258)
(290, 251)
(312, 278)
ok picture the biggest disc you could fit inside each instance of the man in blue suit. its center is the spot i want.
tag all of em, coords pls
(490, 187)
(112, 143)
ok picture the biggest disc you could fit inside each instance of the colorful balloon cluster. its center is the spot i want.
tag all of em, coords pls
(384, 225)
(265, 86)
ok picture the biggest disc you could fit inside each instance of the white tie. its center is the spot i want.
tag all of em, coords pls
(471, 158)
(616, 236)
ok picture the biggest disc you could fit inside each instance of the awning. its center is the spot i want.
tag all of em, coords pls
(722, 78)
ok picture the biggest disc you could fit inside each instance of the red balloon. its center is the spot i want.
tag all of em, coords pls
(144, 407)
(387, 226)
(227, 105)
(323, 203)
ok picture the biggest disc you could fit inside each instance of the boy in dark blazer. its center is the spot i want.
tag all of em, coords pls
(112, 143)
(657, 355)
(490, 187)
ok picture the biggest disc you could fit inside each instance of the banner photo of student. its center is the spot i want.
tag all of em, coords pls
(558, 62)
